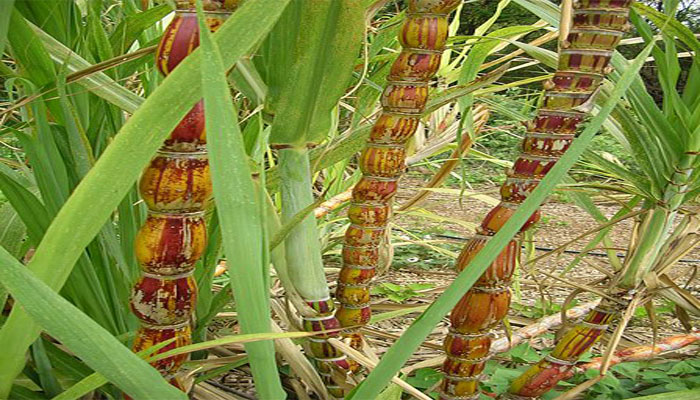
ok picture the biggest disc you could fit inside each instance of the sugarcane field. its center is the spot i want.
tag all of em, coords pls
(349, 199)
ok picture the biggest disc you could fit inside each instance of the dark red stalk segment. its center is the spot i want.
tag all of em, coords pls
(423, 37)
(176, 188)
(597, 28)
(332, 365)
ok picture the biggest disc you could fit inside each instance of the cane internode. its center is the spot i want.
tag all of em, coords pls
(176, 188)
(333, 365)
(584, 57)
(382, 162)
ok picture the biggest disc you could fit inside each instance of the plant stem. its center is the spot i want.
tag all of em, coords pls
(653, 230)
(305, 267)
(303, 248)
(423, 37)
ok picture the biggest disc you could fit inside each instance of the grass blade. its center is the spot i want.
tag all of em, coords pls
(95, 380)
(239, 214)
(29, 53)
(5, 12)
(98, 83)
(131, 27)
(679, 395)
(47, 377)
(312, 59)
(86, 385)
(669, 25)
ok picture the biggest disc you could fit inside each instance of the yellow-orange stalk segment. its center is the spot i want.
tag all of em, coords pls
(423, 37)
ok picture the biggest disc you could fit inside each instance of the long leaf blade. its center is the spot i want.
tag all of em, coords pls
(238, 210)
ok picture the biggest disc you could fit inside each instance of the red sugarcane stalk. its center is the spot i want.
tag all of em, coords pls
(630, 354)
(176, 188)
(543, 325)
(640, 353)
(423, 37)
(598, 26)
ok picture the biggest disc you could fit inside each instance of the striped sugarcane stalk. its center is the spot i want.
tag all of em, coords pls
(585, 52)
(423, 37)
(640, 353)
(176, 188)
(544, 375)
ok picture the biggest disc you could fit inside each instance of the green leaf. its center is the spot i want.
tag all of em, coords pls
(481, 50)
(523, 353)
(82, 388)
(47, 377)
(393, 392)
(401, 351)
(28, 52)
(28, 207)
(97, 37)
(129, 29)
(544, 9)
(681, 368)
(246, 78)
(23, 393)
(669, 25)
(56, 17)
(311, 59)
(114, 174)
(98, 83)
(240, 215)
(546, 57)
(5, 13)
(654, 375)
(13, 232)
(501, 378)
(83, 336)
(455, 92)
(676, 384)
(95, 380)
(424, 378)
(629, 370)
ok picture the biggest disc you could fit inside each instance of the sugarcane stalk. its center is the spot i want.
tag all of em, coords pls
(596, 27)
(305, 267)
(654, 231)
(423, 37)
(641, 353)
(176, 188)
(558, 365)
